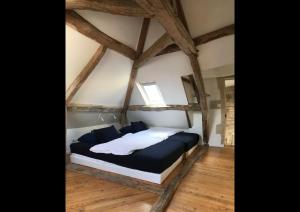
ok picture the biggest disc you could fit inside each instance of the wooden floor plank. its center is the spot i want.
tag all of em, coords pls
(209, 186)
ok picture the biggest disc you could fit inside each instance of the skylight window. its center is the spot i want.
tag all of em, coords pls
(151, 93)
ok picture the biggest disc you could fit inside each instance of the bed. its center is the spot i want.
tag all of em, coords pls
(152, 164)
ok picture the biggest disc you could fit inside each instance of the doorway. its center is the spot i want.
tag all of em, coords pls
(229, 112)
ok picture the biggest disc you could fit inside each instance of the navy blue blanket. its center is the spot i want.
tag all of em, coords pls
(155, 158)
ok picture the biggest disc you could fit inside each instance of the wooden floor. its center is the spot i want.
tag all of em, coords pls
(209, 186)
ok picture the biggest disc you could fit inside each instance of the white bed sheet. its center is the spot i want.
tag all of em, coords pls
(135, 141)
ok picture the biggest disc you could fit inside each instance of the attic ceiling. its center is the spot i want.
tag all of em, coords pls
(205, 16)
(202, 16)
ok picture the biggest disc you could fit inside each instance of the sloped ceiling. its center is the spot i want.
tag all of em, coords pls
(79, 50)
(107, 84)
(205, 16)
(123, 28)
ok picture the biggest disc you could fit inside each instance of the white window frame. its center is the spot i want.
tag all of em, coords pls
(146, 96)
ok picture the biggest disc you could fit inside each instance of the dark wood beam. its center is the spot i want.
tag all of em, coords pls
(83, 75)
(117, 7)
(164, 199)
(174, 6)
(143, 35)
(180, 14)
(162, 10)
(133, 73)
(202, 95)
(188, 119)
(93, 108)
(192, 107)
(164, 13)
(202, 39)
(140, 47)
(77, 22)
(164, 41)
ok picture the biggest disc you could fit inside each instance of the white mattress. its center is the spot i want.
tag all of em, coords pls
(110, 167)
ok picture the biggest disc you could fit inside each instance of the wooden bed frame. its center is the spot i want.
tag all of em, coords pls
(165, 190)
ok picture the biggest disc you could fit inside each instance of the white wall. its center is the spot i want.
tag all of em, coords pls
(108, 82)
(216, 53)
(155, 31)
(84, 119)
(222, 71)
(79, 50)
(167, 77)
(123, 28)
(205, 16)
(211, 88)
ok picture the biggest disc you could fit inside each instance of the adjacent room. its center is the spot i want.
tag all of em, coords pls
(149, 105)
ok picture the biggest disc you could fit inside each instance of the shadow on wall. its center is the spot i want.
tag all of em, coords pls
(214, 120)
(85, 119)
(174, 119)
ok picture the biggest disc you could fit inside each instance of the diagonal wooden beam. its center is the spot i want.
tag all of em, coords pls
(164, 13)
(166, 196)
(77, 22)
(83, 75)
(117, 7)
(164, 41)
(180, 14)
(143, 35)
(133, 73)
(202, 39)
(174, 6)
(202, 95)
(162, 10)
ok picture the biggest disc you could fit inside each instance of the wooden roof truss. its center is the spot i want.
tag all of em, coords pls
(177, 37)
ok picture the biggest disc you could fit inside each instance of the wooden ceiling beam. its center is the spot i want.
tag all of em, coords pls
(83, 75)
(93, 108)
(77, 22)
(164, 13)
(164, 41)
(190, 107)
(202, 39)
(117, 7)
